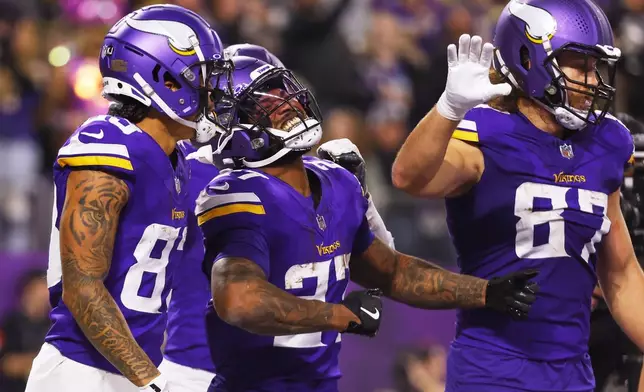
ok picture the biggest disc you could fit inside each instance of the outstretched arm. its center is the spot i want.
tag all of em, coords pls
(620, 275)
(414, 281)
(88, 226)
(244, 298)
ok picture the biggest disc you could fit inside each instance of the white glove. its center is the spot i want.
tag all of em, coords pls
(346, 154)
(468, 78)
(159, 384)
(337, 147)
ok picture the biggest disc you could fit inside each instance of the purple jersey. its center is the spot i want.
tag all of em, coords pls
(541, 203)
(149, 241)
(186, 343)
(302, 249)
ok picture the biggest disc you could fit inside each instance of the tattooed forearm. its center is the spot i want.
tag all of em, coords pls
(244, 298)
(416, 282)
(87, 230)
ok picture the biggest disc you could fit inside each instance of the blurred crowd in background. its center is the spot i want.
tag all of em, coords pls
(375, 66)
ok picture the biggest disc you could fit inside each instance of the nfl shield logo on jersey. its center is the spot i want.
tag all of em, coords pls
(321, 222)
(566, 151)
(177, 184)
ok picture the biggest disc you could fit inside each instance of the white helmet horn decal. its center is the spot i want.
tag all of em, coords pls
(540, 23)
(178, 34)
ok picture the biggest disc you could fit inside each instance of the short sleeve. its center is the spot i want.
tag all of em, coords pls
(467, 129)
(630, 154)
(619, 138)
(484, 125)
(101, 145)
(232, 221)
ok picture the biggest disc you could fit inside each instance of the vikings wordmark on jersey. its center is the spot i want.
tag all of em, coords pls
(302, 249)
(148, 244)
(541, 203)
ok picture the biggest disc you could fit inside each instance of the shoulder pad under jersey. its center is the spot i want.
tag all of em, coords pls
(480, 123)
(615, 134)
(334, 172)
(233, 193)
(103, 142)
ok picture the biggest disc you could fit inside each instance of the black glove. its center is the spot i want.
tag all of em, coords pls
(344, 153)
(512, 293)
(367, 305)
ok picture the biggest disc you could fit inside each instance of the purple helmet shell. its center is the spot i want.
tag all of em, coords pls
(531, 34)
(159, 44)
(254, 51)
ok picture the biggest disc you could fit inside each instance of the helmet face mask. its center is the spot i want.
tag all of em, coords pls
(582, 82)
(264, 113)
(533, 36)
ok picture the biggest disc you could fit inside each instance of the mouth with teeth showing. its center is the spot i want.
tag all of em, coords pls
(291, 124)
(285, 116)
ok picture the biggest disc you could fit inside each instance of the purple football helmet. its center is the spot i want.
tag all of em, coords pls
(263, 113)
(254, 51)
(532, 34)
(158, 44)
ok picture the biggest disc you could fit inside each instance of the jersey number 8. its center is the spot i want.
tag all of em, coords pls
(559, 197)
(146, 264)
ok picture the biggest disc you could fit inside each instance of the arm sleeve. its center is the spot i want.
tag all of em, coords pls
(363, 239)
(364, 235)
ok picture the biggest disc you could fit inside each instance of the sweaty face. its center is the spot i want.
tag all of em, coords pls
(582, 78)
(274, 106)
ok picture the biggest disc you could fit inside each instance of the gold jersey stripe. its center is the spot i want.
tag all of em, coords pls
(230, 209)
(467, 136)
(95, 160)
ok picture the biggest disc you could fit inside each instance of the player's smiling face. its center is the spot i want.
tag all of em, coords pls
(283, 114)
(581, 69)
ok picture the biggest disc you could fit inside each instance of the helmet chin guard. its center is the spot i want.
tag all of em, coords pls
(301, 138)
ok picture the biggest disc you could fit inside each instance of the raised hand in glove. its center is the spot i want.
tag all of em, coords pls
(468, 79)
(346, 154)
(512, 293)
(367, 305)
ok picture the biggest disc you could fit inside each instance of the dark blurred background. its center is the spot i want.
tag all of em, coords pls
(375, 66)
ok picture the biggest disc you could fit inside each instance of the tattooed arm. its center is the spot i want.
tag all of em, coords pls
(415, 282)
(244, 298)
(88, 226)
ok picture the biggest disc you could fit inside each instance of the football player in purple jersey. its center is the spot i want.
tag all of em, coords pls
(284, 234)
(186, 358)
(531, 165)
(187, 364)
(119, 219)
